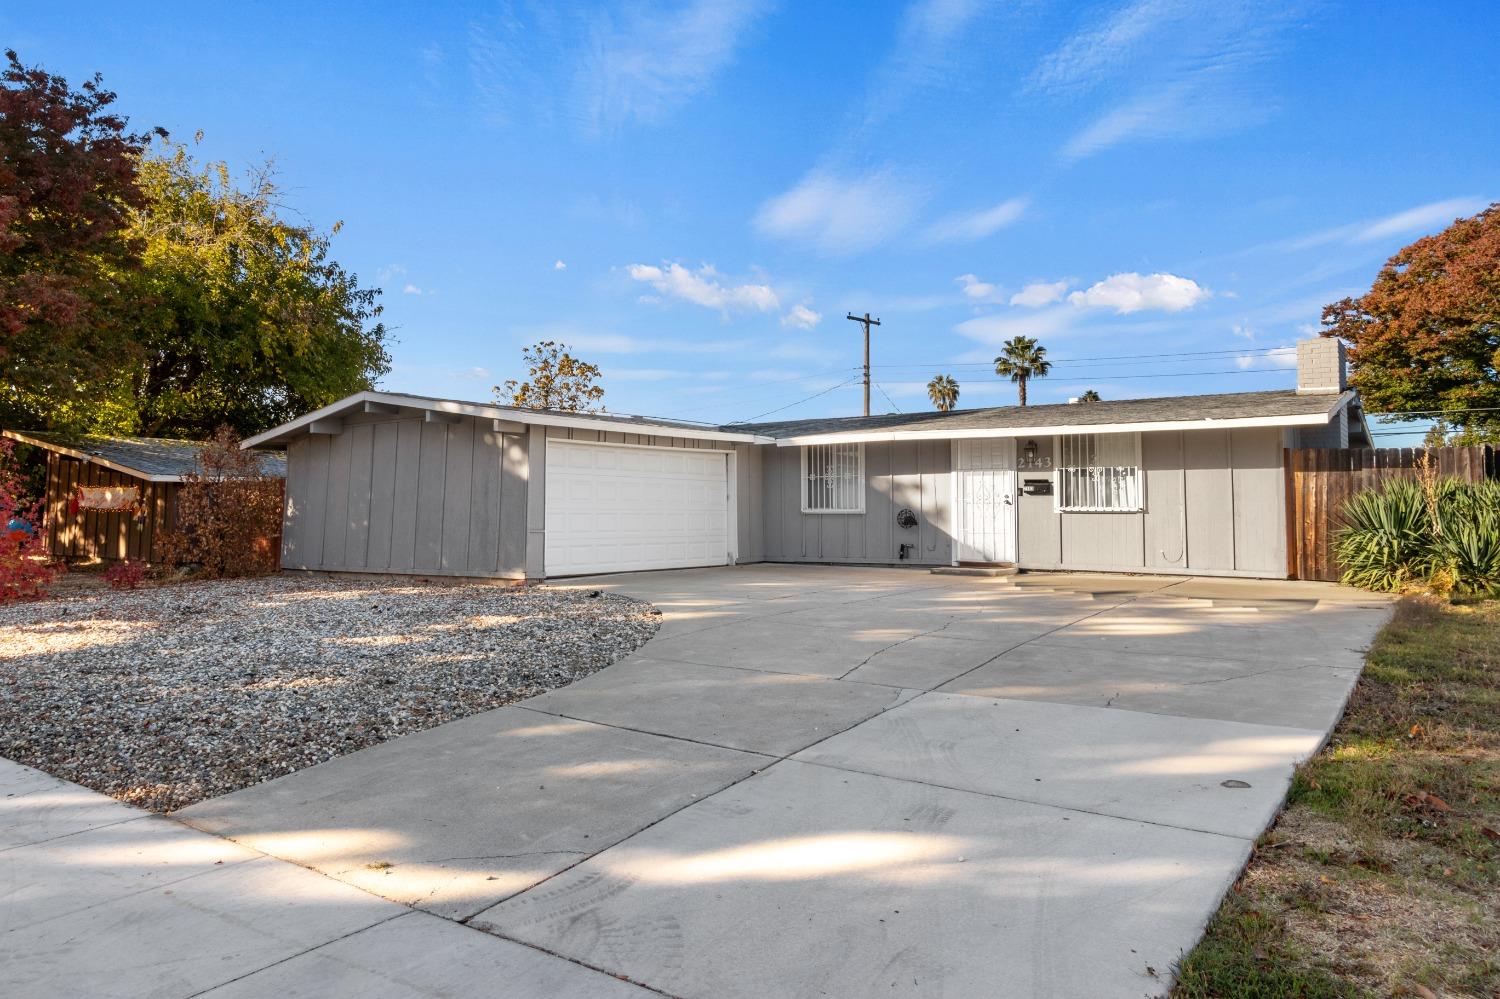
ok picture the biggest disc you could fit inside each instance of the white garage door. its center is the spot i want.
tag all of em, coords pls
(620, 509)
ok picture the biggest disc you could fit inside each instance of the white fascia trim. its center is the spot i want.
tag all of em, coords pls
(849, 437)
(92, 459)
(277, 434)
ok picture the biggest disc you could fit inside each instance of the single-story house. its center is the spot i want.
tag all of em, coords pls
(112, 498)
(392, 483)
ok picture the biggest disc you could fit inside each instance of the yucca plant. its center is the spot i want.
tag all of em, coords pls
(1408, 533)
(1386, 541)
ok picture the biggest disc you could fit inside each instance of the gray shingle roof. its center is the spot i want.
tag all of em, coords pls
(150, 456)
(1182, 408)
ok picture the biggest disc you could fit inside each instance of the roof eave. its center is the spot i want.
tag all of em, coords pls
(280, 435)
(1206, 423)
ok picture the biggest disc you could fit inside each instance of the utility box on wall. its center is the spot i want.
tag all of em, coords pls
(1036, 487)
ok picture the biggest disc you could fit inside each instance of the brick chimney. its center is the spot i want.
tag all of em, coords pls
(1320, 366)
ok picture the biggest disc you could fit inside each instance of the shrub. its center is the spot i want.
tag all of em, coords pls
(23, 571)
(228, 513)
(1441, 534)
(125, 575)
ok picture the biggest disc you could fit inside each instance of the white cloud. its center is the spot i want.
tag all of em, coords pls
(970, 226)
(1244, 331)
(841, 214)
(1090, 55)
(802, 317)
(1132, 292)
(473, 375)
(1040, 293)
(1186, 69)
(390, 272)
(1408, 222)
(999, 328)
(644, 64)
(559, 266)
(411, 289)
(703, 287)
(619, 343)
(979, 291)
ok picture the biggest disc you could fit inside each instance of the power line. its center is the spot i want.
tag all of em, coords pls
(888, 397)
(849, 381)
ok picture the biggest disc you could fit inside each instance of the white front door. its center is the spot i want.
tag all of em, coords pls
(619, 508)
(985, 499)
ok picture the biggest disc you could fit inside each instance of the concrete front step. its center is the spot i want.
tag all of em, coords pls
(975, 570)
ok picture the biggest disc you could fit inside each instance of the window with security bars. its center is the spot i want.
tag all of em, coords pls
(1099, 472)
(833, 478)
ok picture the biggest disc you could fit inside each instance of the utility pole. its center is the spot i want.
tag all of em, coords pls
(867, 322)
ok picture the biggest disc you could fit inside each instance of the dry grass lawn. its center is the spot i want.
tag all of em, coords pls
(1380, 878)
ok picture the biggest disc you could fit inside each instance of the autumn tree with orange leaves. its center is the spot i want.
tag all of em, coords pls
(1426, 336)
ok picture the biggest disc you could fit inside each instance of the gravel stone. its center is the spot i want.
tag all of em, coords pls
(168, 695)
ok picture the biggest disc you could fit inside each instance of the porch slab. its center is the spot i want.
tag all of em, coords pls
(809, 881)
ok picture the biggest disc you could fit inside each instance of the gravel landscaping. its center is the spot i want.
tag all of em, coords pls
(165, 696)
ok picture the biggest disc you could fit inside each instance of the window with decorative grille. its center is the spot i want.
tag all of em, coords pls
(1099, 472)
(833, 478)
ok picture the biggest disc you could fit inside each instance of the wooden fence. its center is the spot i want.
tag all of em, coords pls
(1319, 480)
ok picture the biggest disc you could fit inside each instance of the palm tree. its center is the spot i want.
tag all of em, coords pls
(1022, 358)
(943, 391)
(1090, 395)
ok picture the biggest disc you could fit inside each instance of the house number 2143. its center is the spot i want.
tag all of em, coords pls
(1024, 462)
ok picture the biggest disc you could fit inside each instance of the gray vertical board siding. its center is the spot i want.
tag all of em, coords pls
(483, 556)
(383, 445)
(295, 506)
(401, 495)
(317, 501)
(432, 467)
(360, 493)
(513, 505)
(1210, 499)
(1166, 522)
(880, 508)
(936, 460)
(1259, 501)
(748, 495)
(1039, 527)
(336, 502)
(1103, 539)
(536, 502)
(897, 474)
(458, 481)
(409, 438)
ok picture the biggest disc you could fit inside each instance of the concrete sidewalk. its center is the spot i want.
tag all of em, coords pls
(815, 781)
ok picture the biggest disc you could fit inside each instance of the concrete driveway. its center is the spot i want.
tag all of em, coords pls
(815, 781)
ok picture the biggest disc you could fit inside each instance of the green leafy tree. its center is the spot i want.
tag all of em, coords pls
(555, 380)
(241, 316)
(1022, 359)
(1426, 336)
(67, 191)
(1089, 395)
(943, 391)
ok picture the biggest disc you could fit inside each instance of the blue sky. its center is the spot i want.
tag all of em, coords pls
(694, 193)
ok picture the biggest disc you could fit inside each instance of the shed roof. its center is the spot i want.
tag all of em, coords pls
(157, 459)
